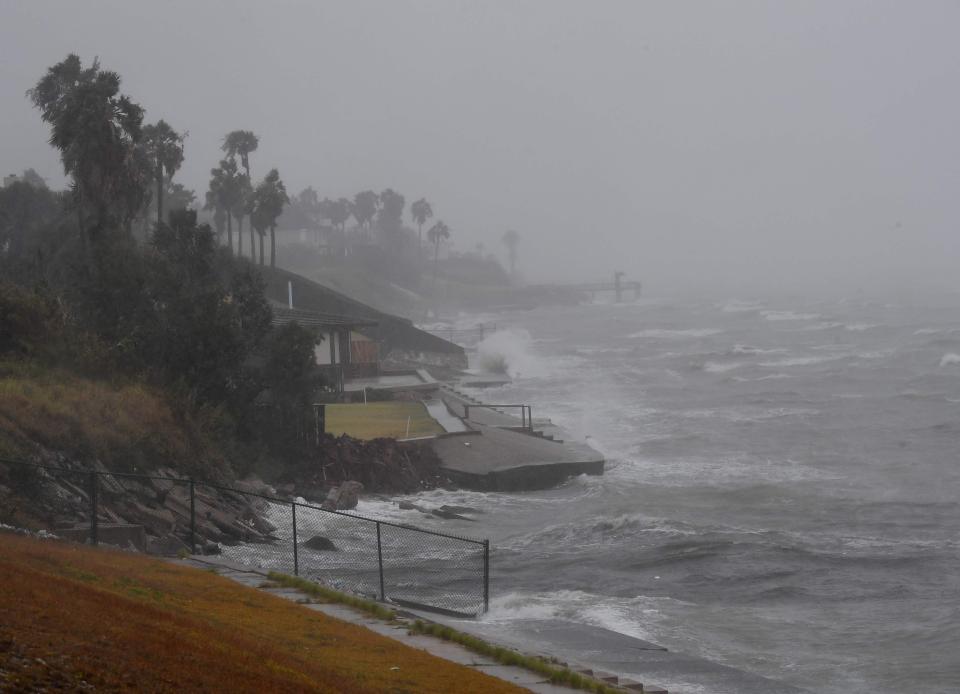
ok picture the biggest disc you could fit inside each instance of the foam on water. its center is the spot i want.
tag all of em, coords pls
(950, 359)
(799, 361)
(672, 334)
(789, 316)
(637, 616)
(735, 306)
(719, 368)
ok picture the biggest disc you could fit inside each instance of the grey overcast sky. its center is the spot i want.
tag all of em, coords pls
(731, 146)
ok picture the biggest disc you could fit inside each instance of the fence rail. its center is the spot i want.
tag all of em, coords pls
(526, 412)
(383, 560)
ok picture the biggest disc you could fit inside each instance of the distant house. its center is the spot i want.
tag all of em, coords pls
(343, 352)
(400, 344)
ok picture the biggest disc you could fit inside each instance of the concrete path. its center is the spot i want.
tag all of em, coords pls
(398, 632)
(438, 410)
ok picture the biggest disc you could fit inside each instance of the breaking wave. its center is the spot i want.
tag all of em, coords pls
(950, 359)
(664, 333)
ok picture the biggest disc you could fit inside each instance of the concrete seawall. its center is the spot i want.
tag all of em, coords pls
(498, 454)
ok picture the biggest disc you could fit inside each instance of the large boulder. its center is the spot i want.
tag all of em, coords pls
(344, 497)
(320, 543)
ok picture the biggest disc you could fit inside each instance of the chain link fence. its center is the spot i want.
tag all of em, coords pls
(385, 561)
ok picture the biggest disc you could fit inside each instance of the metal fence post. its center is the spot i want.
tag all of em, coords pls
(94, 529)
(296, 557)
(383, 595)
(193, 518)
(486, 575)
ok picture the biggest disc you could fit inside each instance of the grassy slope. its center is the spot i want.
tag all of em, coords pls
(125, 425)
(381, 419)
(118, 621)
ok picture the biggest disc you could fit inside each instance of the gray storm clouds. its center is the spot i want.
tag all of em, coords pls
(698, 146)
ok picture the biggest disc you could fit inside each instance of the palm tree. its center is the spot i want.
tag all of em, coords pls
(266, 206)
(214, 201)
(244, 194)
(96, 130)
(437, 233)
(390, 219)
(511, 239)
(364, 207)
(421, 212)
(225, 194)
(242, 143)
(164, 146)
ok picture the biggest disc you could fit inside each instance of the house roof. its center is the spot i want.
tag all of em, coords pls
(313, 319)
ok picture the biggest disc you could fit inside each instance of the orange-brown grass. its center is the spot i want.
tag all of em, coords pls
(75, 617)
(125, 425)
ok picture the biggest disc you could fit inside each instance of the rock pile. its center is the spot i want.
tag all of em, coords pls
(62, 499)
(381, 466)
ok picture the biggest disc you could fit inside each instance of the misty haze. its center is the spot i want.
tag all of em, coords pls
(618, 343)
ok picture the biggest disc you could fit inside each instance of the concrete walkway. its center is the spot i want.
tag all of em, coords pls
(450, 423)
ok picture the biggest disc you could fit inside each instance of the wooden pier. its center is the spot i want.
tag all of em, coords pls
(618, 286)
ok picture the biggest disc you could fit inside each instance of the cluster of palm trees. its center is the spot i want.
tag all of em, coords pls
(231, 195)
(111, 156)
(115, 161)
(369, 208)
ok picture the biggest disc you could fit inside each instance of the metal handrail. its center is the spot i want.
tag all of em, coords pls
(526, 412)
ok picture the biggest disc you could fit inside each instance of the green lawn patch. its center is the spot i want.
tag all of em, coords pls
(381, 420)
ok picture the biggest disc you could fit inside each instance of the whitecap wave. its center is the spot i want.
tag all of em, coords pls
(735, 306)
(789, 315)
(824, 325)
(751, 350)
(800, 361)
(767, 377)
(665, 333)
(719, 367)
(621, 615)
(950, 359)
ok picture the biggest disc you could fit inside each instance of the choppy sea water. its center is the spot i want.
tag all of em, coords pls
(781, 493)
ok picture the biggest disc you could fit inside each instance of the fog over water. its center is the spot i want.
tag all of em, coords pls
(702, 147)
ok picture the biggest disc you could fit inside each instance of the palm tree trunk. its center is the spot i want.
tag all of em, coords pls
(240, 237)
(261, 249)
(230, 231)
(253, 248)
(273, 246)
(159, 192)
(436, 256)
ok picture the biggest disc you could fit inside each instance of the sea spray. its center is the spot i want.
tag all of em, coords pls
(509, 352)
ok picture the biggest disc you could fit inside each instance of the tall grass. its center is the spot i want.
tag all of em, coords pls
(125, 425)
